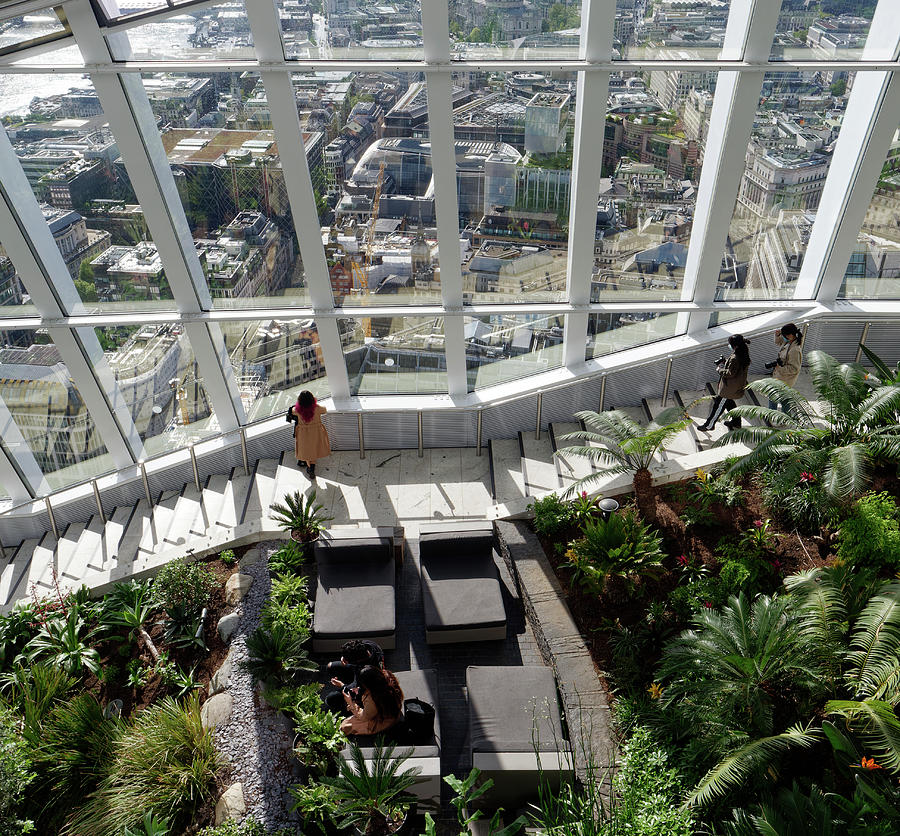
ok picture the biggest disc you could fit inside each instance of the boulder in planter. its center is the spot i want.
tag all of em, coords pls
(231, 804)
(236, 587)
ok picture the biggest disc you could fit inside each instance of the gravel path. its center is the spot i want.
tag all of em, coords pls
(258, 741)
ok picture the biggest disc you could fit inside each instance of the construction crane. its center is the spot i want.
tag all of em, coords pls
(361, 271)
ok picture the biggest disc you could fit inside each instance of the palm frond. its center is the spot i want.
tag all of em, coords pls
(877, 726)
(847, 471)
(735, 769)
(795, 405)
(881, 406)
(875, 647)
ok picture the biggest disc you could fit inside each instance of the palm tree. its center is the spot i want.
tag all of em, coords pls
(838, 440)
(624, 446)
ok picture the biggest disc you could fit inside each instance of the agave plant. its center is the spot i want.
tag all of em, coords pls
(301, 515)
(63, 642)
(620, 444)
(134, 616)
(838, 440)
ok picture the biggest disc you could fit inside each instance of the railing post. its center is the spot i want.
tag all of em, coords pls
(52, 517)
(244, 452)
(478, 414)
(665, 393)
(195, 468)
(421, 434)
(602, 393)
(862, 341)
(146, 482)
(359, 429)
(100, 510)
(537, 422)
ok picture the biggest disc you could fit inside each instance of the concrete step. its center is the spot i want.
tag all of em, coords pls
(538, 467)
(214, 499)
(160, 522)
(686, 441)
(39, 572)
(571, 467)
(189, 520)
(66, 549)
(699, 410)
(506, 460)
(263, 488)
(289, 478)
(232, 510)
(137, 530)
(15, 569)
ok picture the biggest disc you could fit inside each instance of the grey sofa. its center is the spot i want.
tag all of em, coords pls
(460, 587)
(356, 588)
(425, 756)
(515, 730)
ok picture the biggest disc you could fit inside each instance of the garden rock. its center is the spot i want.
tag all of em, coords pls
(227, 625)
(216, 711)
(236, 588)
(250, 558)
(221, 679)
(231, 804)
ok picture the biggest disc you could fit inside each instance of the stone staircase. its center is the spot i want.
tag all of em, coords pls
(388, 487)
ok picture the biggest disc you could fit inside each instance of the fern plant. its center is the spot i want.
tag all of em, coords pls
(618, 444)
(301, 515)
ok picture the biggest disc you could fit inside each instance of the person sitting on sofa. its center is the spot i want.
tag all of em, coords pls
(374, 705)
(355, 654)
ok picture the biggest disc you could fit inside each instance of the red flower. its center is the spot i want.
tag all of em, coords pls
(707, 604)
(869, 763)
(758, 523)
(682, 559)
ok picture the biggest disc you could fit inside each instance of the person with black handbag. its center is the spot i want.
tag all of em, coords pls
(732, 382)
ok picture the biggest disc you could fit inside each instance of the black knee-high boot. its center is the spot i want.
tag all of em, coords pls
(717, 408)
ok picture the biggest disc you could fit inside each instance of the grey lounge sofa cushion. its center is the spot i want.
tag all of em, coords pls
(356, 588)
(513, 709)
(421, 684)
(460, 588)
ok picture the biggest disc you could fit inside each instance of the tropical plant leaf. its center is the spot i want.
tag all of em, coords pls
(874, 666)
(877, 726)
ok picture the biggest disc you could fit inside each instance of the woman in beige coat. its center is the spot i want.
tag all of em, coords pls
(732, 381)
(787, 364)
(310, 436)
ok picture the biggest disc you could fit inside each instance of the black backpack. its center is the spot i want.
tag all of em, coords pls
(418, 718)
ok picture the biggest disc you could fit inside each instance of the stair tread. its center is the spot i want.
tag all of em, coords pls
(538, 467)
(507, 461)
(160, 522)
(263, 488)
(12, 573)
(39, 572)
(214, 498)
(571, 467)
(233, 503)
(133, 535)
(188, 520)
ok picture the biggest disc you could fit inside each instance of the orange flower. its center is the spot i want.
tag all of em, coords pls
(655, 691)
(869, 763)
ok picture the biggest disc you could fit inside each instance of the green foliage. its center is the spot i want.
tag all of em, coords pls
(804, 505)
(632, 646)
(368, 793)
(585, 508)
(183, 628)
(164, 761)
(76, 745)
(150, 826)
(838, 441)
(618, 444)
(302, 514)
(649, 788)
(184, 583)
(65, 643)
(758, 539)
(291, 590)
(228, 557)
(293, 620)
(137, 674)
(870, 536)
(561, 17)
(621, 547)
(319, 737)
(16, 629)
(276, 656)
(699, 592)
(551, 514)
(315, 801)
(15, 774)
(884, 374)
(33, 692)
(466, 791)
(839, 87)
(248, 827)
(288, 559)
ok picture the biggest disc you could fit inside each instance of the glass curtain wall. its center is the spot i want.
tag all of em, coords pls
(371, 277)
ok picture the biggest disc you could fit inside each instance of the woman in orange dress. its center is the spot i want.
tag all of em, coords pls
(310, 436)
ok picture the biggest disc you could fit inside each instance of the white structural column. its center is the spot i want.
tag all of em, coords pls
(20, 472)
(749, 34)
(266, 29)
(131, 119)
(871, 118)
(591, 93)
(44, 273)
(439, 80)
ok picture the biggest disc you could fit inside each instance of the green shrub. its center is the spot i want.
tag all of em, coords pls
(275, 656)
(621, 547)
(290, 589)
(293, 620)
(228, 557)
(870, 536)
(15, 774)
(184, 583)
(697, 593)
(319, 737)
(33, 692)
(163, 761)
(804, 506)
(74, 752)
(551, 515)
(16, 629)
(288, 559)
(248, 827)
(649, 791)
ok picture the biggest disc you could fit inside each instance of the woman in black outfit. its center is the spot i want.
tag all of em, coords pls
(732, 381)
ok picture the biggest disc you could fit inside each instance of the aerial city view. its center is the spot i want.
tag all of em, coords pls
(368, 148)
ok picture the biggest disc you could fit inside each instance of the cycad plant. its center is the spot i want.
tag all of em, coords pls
(372, 795)
(837, 440)
(276, 655)
(301, 515)
(619, 444)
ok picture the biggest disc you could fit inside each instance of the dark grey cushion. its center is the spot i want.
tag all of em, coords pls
(421, 684)
(452, 544)
(360, 549)
(355, 600)
(461, 592)
(513, 709)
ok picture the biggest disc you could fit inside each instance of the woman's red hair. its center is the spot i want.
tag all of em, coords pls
(306, 406)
